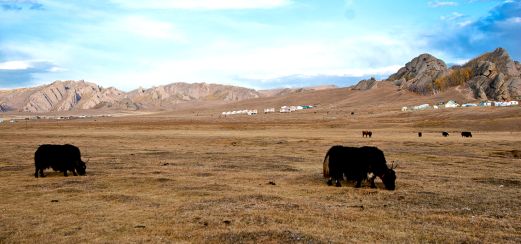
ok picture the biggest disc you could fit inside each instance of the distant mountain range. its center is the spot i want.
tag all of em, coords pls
(78, 95)
(493, 75)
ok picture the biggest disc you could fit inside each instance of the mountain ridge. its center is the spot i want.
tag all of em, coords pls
(490, 76)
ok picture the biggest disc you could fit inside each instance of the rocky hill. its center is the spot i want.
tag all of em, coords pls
(63, 96)
(495, 76)
(491, 76)
(77, 95)
(175, 93)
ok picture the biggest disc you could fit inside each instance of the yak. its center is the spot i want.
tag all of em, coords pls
(61, 158)
(367, 133)
(356, 163)
(466, 134)
(445, 134)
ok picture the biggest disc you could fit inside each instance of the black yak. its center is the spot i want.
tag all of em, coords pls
(419, 134)
(61, 158)
(356, 164)
(445, 134)
(367, 133)
(466, 134)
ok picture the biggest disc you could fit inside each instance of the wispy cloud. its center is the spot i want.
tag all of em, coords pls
(202, 4)
(452, 16)
(18, 5)
(437, 4)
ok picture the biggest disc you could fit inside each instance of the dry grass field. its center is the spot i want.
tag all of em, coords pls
(203, 179)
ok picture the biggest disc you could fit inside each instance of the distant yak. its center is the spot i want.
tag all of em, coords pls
(445, 134)
(367, 133)
(419, 134)
(356, 164)
(61, 158)
(466, 134)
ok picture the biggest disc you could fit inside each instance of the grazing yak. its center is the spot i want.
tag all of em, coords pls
(445, 134)
(356, 164)
(61, 158)
(466, 134)
(367, 133)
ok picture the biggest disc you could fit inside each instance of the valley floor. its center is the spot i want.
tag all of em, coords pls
(208, 179)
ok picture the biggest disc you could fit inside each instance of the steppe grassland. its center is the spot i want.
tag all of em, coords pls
(187, 179)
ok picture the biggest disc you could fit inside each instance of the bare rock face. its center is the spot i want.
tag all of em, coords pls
(419, 74)
(495, 76)
(366, 84)
(69, 95)
(184, 92)
(491, 76)
(4, 107)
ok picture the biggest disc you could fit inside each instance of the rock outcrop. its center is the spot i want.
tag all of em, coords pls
(4, 107)
(419, 74)
(495, 76)
(366, 84)
(491, 76)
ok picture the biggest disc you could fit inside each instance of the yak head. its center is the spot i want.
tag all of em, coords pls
(81, 167)
(389, 178)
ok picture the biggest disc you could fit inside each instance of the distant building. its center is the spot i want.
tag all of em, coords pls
(451, 104)
(269, 110)
(485, 104)
(469, 105)
(285, 109)
(421, 107)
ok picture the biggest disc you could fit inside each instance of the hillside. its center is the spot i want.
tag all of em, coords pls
(491, 76)
(172, 94)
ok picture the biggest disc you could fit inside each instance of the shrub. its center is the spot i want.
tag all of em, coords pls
(456, 77)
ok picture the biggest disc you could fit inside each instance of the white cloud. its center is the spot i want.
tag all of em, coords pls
(202, 4)
(15, 65)
(452, 16)
(437, 4)
(515, 20)
(150, 28)
(236, 63)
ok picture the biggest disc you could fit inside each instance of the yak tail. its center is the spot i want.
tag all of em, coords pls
(326, 166)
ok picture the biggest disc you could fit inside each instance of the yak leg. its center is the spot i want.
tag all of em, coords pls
(65, 173)
(74, 172)
(337, 179)
(330, 182)
(371, 180)
(338, 184)
(358, 183)
(41, 173)
(359, 180)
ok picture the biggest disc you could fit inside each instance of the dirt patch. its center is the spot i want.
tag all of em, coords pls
(286, 236)
(499, 182)
(120, 198)
(507, 154)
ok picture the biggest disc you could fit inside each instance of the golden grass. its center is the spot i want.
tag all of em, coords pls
(167, 179)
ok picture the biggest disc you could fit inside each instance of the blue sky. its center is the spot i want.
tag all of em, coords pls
(253, 43)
